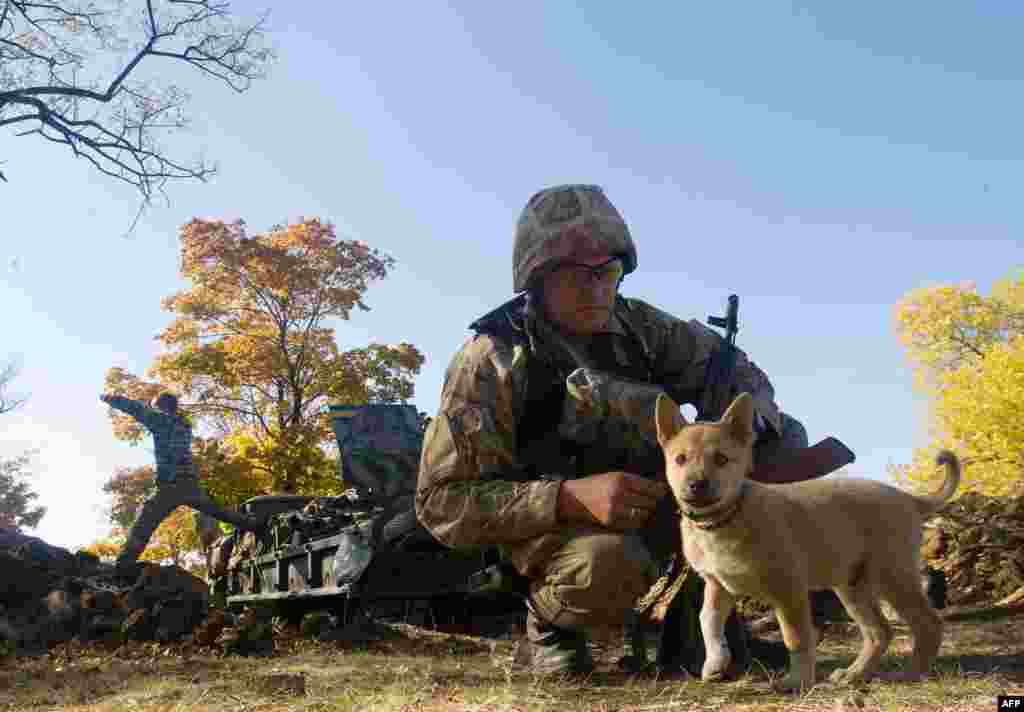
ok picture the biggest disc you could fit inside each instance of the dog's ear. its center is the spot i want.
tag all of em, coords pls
(739, 418)
(668, 418)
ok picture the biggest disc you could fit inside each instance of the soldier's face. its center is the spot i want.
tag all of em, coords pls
(579, 296)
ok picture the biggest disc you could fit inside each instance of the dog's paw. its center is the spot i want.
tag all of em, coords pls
(716, 667)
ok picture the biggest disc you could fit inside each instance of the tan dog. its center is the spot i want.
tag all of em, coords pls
(775, 543)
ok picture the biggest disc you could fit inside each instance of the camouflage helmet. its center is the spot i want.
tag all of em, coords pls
(562, 221)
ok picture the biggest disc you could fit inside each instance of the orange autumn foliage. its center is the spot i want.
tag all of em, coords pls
(253, 360)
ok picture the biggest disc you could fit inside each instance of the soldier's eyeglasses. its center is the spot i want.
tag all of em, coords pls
(579, 276)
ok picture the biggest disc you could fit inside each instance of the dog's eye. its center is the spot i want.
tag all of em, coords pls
(721, 459)
(681, 458)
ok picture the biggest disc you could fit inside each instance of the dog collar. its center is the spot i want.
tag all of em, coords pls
(720, 517)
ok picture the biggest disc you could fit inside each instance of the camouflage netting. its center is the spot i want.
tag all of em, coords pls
(380, 449)
(978, 542)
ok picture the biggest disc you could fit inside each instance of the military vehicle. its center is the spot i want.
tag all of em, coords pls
(363, 552)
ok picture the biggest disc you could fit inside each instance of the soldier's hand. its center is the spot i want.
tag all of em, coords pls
(617, 500)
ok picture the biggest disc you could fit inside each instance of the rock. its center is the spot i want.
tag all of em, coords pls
(259, 639)
(207, 632)
(21, 636)
(101, 601)
(261, 614)
(248, 639)
(177, 616)
(139, 625)
(158, 583)
(20, 580)
(64, 607)
(64, 616)
(48, 595)
(103, 627)
(177, 600)
(36, 550)
(315, 623)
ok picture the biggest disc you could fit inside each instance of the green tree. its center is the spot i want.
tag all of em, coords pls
(17, 500)
(18, 508)
(256, 364)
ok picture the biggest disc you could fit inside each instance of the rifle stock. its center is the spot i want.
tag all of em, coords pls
(804, 464)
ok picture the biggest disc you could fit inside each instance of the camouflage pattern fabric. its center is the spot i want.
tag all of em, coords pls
(172, 438)
(561, 222)
(603, 408)
(380, 448)
(573, 588)
(471, 490)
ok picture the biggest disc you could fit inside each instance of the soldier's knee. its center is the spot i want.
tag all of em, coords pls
(619, 556)
(595, 582)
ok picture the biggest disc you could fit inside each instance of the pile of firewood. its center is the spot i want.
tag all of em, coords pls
(978, 542)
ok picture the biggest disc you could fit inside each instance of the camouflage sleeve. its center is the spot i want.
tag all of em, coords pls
(682, 350)
(468, 493)
(140, 411)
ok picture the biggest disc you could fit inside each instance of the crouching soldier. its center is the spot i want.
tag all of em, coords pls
(177, 482)
(574, 515)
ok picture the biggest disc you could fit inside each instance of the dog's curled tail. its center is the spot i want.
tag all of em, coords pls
(933, 502)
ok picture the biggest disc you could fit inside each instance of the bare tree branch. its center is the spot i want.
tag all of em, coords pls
(7, 401)
(52, 62)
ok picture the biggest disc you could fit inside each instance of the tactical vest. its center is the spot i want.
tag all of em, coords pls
(539, 447)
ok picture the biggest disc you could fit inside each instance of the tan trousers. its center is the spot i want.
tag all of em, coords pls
(593, 578)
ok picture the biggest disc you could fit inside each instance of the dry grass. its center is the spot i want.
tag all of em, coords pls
(425, 671)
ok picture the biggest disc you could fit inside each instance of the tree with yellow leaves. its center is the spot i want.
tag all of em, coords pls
(253, 360)
(967, 351)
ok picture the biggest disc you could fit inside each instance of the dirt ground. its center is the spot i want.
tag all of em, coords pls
(416, 669)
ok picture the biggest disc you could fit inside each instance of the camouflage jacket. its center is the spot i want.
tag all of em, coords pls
(471, 490)
(172, 438)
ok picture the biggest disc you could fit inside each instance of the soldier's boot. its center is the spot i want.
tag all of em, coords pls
(635, 658)
(550, 650)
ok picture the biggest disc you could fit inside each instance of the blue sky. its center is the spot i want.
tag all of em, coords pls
(818, 162)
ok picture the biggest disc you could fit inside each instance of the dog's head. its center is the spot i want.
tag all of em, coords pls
(706, 463)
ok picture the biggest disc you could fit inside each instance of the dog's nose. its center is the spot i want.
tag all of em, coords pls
(700, 488)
